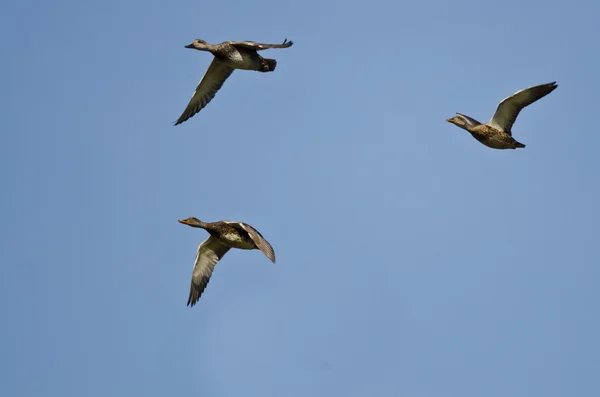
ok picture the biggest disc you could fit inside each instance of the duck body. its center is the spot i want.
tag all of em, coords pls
(231, 234)
(241, 58)
(494, 138)
(489, 136)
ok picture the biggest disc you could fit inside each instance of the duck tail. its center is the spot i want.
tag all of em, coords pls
(269, 65)
(518, 144)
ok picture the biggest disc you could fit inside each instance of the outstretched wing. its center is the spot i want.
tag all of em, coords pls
(258, 239)
(211, 82)
(209, 253)
(510, 107)
(252, 45)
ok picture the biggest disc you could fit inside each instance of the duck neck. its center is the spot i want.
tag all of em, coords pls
(204, 47)
(468, 127)
(200, 224)
(465, 125)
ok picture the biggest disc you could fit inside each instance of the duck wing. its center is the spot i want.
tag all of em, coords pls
(510, 107)
(258, 239)
(252, 45)
(211, 83)
(208, 255)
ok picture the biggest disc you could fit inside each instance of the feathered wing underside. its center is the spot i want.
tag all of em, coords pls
(251, 45)
(209, 254)
(211, 83)
(510, 107)
(258, 239)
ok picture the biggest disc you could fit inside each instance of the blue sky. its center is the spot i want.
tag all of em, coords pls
(411, 260)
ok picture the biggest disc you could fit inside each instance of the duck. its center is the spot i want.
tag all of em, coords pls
(228, 56)
(497, 133)
(224, 235)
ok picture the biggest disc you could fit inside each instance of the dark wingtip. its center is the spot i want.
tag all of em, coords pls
(191, 301)
(179, 121)
(194, 297)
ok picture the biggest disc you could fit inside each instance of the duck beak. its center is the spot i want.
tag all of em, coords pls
(450, 120)
(189, 46)
(183, 221)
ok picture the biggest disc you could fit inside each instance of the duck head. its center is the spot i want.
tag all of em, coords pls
(200, 45)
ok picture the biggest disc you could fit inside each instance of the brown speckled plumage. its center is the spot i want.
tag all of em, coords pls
(224, 235)
(497, 133)
(494, 138)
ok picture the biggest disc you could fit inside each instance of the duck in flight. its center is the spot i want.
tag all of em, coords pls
(228, 56)
(224, 235)
(497, 133)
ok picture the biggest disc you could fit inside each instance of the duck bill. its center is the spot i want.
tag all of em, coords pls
(189, 46)
(183, 221)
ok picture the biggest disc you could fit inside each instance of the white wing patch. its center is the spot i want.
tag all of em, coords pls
(236, 56)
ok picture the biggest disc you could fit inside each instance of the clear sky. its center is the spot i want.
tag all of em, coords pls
(411, 259)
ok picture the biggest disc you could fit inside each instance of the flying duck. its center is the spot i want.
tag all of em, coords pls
(224, 235)
(497, 133)
(228, 56)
